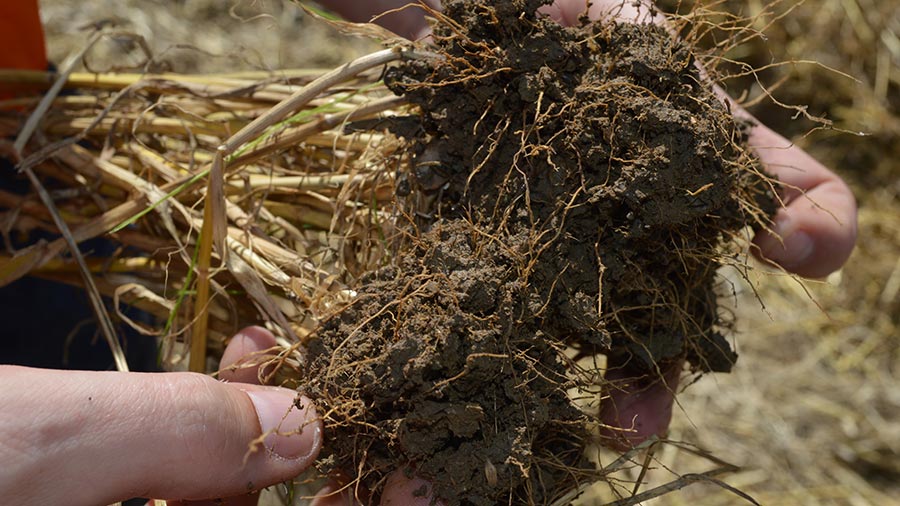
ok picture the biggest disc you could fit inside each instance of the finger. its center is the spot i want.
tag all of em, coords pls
(405, 19)
(568, 12)
(816, 230)
(624, 10)
(100, 437)
(638, 404)
(557, 13)
(240, 364)
(404, 489)
(243, 354)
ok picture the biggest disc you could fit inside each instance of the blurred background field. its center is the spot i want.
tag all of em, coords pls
(811, 413)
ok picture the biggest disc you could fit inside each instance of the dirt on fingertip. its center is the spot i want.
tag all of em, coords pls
(572, 192)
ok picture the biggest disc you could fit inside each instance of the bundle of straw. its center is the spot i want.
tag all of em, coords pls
(232, 198)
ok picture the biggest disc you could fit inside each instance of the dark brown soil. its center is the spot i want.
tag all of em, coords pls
(573, 189)
(441, 362)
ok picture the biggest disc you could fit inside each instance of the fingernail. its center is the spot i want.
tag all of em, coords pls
(291, 432)
(791, 251)
(798, 247)
(786, 245)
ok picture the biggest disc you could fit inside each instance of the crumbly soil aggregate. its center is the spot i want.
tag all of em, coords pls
(571, 189)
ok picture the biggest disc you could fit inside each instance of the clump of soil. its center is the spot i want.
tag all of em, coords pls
(572, 189)
(441, 363)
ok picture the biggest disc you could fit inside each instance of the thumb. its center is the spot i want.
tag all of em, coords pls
(100, 437)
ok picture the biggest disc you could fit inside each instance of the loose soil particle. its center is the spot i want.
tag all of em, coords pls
(572, 188)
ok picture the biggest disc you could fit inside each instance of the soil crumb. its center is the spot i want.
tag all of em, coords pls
(572, 193)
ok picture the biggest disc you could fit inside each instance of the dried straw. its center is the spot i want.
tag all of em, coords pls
(292, 205)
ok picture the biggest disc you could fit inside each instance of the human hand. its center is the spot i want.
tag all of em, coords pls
(72, 437)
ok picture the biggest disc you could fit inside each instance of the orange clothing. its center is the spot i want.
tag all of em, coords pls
(21, 36)
(21, 40)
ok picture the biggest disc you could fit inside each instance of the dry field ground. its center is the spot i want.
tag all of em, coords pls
(811, 413)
